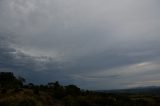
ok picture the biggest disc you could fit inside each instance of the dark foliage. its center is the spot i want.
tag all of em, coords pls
(36, 90)
(72, 90)
(8, 80)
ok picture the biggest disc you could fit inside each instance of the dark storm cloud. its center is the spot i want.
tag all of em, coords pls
(28, 66)
(89, 43)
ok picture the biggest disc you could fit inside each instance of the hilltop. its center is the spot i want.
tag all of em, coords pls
(13, 92)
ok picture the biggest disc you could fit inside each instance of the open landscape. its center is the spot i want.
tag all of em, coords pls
(79, 52)
(14, 93)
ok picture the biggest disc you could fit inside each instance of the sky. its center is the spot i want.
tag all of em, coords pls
(95, 44)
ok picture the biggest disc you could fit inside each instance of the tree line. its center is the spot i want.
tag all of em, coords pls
(55, 94)
(9, 81)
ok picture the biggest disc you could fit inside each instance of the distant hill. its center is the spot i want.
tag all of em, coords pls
(148, 89)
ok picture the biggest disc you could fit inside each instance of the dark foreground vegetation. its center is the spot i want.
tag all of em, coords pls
(13, 92)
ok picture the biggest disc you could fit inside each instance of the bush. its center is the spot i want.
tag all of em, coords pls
(18, 102)
(72, 90)
(3, 91)
(27, 103)
(36, 90)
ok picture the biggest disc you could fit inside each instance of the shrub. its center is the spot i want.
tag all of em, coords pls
(3, 91)
(18, 102)
(36, 90)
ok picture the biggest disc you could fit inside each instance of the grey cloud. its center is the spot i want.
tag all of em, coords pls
(62, 38)
(33, 68)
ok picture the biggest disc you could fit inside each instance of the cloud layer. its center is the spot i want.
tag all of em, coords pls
(89, 43)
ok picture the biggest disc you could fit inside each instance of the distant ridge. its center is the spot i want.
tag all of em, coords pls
(146, 89)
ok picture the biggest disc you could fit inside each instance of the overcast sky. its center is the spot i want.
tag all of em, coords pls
(95, 44)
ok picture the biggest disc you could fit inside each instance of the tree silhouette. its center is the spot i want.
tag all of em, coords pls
(21, 80)
(58, 90)
(72, 90)
(8, 80)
